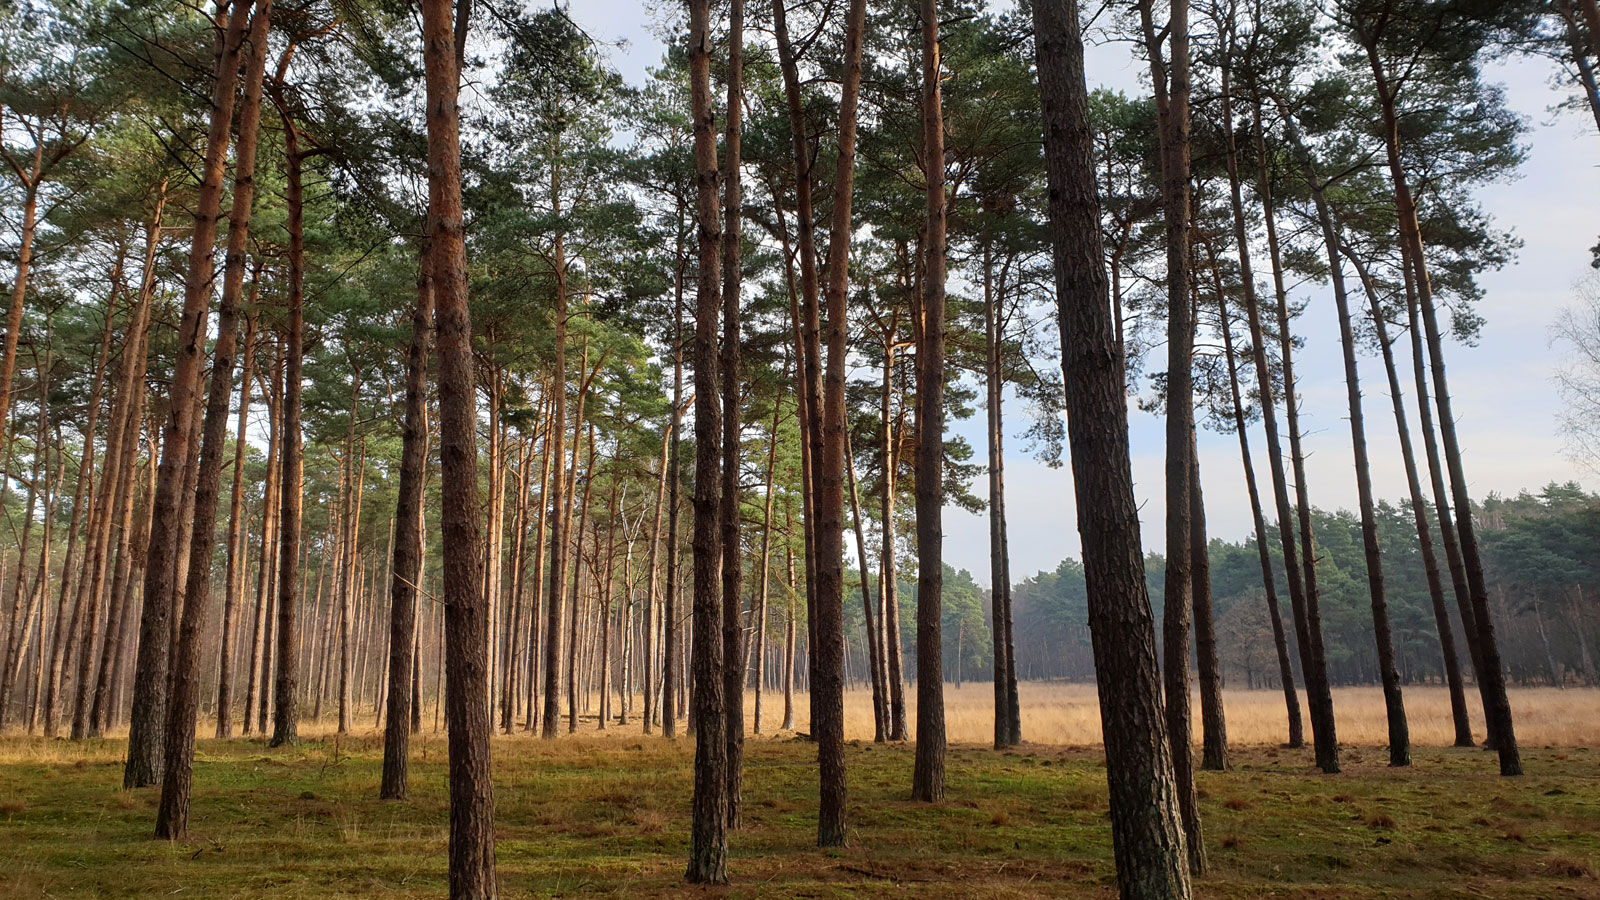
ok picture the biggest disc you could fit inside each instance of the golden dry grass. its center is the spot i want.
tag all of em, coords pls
(1069, 714)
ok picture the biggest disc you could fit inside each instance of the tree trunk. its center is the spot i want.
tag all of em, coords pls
(1007, 717)
(927, 777)
(733, 659)
(472, 842)
(233, 583)
(1171, 79)
(1419, 516)
(1491, 683)
(291, 479)
(144, 761)
(1393, 701)
(1291, 697)
(406, 565)
(1213, 721)
(1302, 594)
(708, 829)
(1147, 833)
(172, 816)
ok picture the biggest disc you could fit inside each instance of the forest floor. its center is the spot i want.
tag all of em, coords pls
(607, 815)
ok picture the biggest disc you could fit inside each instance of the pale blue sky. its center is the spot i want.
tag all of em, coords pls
(1505, 401)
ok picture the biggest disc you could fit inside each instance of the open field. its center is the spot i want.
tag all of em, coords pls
(606, 815)
(1069, 714)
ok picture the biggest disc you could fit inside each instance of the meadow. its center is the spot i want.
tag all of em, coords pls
(606, 814)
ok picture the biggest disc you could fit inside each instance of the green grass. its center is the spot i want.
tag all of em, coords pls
(607, 817)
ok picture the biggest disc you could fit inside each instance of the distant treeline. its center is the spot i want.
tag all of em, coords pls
(1541, 550)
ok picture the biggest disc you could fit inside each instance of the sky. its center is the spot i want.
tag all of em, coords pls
(1504, 398)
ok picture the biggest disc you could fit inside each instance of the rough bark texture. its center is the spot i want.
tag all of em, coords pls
(1170, 75)
(150, 673)
(927, 776)
(172, 817)
(708, 827)
(733, 654)
(1147, 835)
(472, 841)
(406, 566)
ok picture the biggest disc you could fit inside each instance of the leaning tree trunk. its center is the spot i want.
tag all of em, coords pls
(150, 673)
(1419, 515)
(1308, 629)
(172, 816)
(1291, 697)
(1383, 634)
(1146, 829)
(927, 776)
(1492, 682)
(472, 854)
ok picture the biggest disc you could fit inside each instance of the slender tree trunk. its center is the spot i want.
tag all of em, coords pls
(1213, 721)
(150, 674)
(708, 829)
(927, 777)
(1492, 685)
(1394, 702)
(1302, 589)
(1146, 828)
(255, 700)
(1291, 697)
(172, 816)
(472, 842)
(758, 630)
(1419, 516)
(733, 650)
(406, 565)
(1170, 76)
(880, 703)
(291, 479)
(560, 498)
(888, 589)
(999, 561)
(233, 583)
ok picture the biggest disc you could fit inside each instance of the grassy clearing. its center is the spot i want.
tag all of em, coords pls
(607, 816)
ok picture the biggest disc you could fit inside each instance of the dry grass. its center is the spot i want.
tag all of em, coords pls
(607, 816)
(1069, 715)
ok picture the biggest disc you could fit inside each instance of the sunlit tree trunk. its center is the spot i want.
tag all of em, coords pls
(1146, 827)
(145, 757)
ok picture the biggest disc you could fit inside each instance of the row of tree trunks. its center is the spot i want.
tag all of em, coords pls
(145, 749)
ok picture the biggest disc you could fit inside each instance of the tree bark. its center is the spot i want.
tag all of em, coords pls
(1171, 79)
(708, 829)
(406, 565)
(172, 816)
(733, 650)
(1147, 833)
(150, 675)
(472, 841)
(927, 777)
